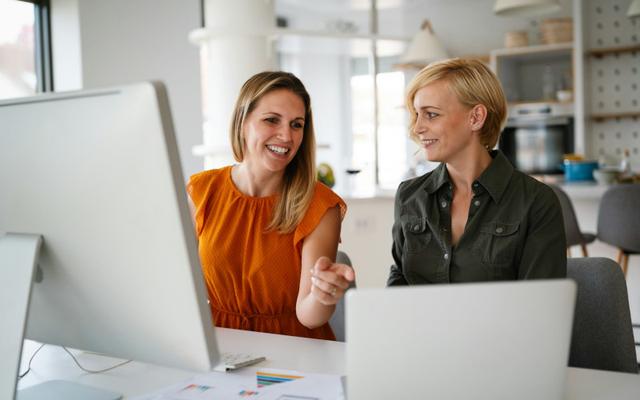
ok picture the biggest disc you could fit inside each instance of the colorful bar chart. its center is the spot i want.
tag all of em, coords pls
(269, 378)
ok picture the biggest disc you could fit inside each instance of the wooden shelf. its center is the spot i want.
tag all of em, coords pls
(599, 53)
(605, 116)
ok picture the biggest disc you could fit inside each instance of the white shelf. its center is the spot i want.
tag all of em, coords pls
(198, 36)
(537, 51)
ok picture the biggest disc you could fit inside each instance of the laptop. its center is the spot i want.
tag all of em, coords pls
(499, 340)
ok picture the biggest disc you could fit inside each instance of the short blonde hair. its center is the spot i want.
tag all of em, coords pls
(300, 175)
(473, 83)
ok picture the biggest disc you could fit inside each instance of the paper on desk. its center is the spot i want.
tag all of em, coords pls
(251, 383)
(307, 387)
(214, 385)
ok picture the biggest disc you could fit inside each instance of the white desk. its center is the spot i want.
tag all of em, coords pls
(286, 352)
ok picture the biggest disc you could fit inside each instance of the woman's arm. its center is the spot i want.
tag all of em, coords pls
(544, 255)
(322, 282)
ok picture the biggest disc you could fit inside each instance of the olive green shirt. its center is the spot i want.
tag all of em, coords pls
(514, 230)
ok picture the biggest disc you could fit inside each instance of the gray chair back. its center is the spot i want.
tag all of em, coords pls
(602, 335)
(571, 227)
(337, 319)
(619, 217)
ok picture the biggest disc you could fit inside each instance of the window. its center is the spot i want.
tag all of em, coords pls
(361, 128)
(390, 165)
(25, 66)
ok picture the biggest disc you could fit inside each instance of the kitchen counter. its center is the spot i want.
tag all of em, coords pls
(579, 190)
(584, 190)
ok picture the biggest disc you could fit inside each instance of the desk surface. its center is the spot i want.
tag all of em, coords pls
(286, 352)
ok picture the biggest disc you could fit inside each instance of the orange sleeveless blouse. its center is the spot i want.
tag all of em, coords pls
(252, 276)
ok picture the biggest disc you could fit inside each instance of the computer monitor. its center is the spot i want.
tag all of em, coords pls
(97, 174)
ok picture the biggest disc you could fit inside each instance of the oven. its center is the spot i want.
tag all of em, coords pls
(537, 136)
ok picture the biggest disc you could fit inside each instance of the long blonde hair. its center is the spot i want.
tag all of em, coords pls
(300, 175)
(473, 83)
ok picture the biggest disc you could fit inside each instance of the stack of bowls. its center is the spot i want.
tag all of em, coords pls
(606, 175)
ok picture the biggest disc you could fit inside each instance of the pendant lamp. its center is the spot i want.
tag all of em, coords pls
(525, 8)
(424, 48)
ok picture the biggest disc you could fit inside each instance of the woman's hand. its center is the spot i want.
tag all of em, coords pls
(329, 281)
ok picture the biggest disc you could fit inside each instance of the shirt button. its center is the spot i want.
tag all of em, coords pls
(499, 229)
(446, 256)
(477, 203)
(443, 204)
(475, 185)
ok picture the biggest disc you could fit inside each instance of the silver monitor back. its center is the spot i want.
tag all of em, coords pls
(97, 174)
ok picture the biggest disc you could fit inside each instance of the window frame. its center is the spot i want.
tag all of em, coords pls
(42, 45)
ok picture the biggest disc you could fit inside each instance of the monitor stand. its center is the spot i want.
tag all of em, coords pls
(18, 256)
(18, 265)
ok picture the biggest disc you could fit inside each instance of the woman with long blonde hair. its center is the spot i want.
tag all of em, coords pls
(268, 231)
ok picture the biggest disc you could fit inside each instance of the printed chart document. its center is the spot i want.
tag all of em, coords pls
(254, 383)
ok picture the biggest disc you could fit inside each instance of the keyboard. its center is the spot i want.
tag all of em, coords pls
(231, 361)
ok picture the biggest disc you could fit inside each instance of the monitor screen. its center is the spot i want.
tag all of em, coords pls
(97, 174)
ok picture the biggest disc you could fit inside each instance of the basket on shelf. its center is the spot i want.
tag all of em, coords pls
(516, 39)
(556, 30)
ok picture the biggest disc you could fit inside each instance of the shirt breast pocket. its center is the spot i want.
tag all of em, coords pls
(498, 243)
(422, 261)
(416, 235)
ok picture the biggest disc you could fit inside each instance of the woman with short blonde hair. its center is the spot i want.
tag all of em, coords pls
(473, 83)
(474, 218)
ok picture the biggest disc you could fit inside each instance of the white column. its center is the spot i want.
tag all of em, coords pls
(235, 44)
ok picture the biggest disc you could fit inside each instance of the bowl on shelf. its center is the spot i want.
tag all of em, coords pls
(564, 96)
(606, 176)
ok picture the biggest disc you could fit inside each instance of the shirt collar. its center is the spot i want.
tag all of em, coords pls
(437, 179)
(496, 176)
(494, 179)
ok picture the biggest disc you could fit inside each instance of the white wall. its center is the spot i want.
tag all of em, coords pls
(101, 43)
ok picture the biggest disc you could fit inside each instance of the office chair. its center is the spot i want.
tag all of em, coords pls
(337, 319)
(619, 219)
(602, 336)
(571, 228)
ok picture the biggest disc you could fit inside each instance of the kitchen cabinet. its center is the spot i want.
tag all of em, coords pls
(534, 73)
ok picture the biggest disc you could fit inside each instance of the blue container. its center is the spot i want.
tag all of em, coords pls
(579, 170)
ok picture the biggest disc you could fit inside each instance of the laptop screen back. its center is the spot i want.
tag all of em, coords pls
(482, 341)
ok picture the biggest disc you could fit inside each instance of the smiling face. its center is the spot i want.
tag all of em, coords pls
(273, 131)
(444, 127)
